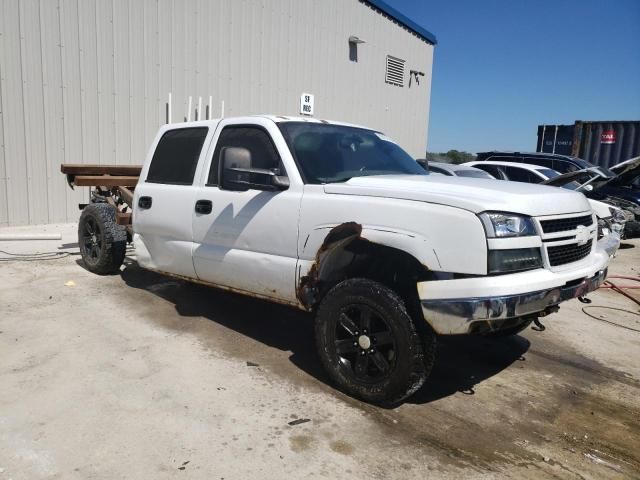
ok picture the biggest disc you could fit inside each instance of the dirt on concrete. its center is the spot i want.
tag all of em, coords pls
(141, 376)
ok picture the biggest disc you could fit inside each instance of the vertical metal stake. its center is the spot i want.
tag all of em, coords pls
(189, 110)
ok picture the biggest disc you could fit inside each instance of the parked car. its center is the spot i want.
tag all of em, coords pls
(553, 161)
(622, 190)
(453, 170)
(338, 220)
(610, 217)
(613, 187)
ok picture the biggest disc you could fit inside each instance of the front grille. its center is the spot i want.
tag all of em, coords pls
(565, 224)
(562, 254)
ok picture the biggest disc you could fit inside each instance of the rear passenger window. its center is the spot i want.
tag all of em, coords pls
(256, 140)
(176, 157)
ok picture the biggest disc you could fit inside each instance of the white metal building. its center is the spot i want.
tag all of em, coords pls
(89, 81)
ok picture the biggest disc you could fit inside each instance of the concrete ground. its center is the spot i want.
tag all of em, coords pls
(140, 376)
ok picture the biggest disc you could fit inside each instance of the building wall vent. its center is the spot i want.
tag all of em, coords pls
(395, 71)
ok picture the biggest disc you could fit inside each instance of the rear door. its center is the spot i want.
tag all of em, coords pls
(247, 240)
(164, 198)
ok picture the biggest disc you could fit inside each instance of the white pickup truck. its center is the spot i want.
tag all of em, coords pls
(338, 220)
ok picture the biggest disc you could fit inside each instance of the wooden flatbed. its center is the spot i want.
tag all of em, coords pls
(113, 184)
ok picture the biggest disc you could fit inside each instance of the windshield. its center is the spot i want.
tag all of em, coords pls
(605, 172)
(474, 174)
(329, 153)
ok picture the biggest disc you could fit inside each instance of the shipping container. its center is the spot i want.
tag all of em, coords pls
(555, 139)
(601, 143)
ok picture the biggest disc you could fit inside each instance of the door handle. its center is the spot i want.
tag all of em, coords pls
(144, 202)
(204, 207)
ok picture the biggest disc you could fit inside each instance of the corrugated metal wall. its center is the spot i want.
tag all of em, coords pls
(87, 81)
(606, 143)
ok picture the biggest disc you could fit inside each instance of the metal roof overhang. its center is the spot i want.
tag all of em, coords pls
(403, 20)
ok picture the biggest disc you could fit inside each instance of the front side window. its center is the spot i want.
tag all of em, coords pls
(521, 175)
(176, 157)
(328, 153)
(492, 170)
(263, 152)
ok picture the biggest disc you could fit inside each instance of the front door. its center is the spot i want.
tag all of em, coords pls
(247, 240)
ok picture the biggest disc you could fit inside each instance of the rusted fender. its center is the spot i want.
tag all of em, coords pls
(324, 252)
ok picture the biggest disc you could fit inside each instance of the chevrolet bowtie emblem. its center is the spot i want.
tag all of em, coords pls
(583, 235)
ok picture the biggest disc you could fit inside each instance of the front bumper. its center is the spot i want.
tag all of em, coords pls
(488, 303)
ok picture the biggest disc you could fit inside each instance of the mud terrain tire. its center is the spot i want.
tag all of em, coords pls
(102, 242)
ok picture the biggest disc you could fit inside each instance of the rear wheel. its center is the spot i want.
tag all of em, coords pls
(102, 241)
(368, 344)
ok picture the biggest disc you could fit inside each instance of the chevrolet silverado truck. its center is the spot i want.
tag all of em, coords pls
(338, 220)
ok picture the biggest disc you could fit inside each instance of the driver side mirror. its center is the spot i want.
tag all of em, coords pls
(239, 175)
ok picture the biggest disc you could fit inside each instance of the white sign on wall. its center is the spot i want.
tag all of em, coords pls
(306, 104)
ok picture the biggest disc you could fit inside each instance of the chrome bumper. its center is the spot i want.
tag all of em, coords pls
(458, 316)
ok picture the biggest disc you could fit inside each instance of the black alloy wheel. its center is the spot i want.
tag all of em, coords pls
(369, 344)
(102, 242)
(364, 343)
(92, 241)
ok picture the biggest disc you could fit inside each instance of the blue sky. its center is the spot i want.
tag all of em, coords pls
(501, 67)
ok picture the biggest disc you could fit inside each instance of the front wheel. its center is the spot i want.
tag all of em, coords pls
(103, 243)
(368, 343)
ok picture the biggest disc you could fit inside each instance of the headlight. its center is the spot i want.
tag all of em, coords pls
(501, 225)
(514, 260)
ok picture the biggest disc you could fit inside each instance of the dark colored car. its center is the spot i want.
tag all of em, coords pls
(559, 163)
(618, 186)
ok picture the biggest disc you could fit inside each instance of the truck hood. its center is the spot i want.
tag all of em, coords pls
(473, 194)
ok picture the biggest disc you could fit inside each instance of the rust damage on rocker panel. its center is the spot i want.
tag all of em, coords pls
(313, 283)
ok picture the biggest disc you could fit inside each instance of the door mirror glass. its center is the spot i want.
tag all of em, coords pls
(239, 174)
(235, 162)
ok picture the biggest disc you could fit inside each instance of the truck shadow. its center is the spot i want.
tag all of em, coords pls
(461, 363)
